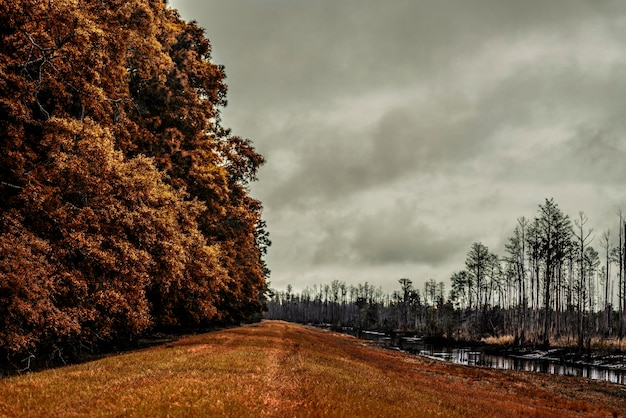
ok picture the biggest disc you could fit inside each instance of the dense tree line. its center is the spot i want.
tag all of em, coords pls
(366, 307)
(124, 203)
(551, 286)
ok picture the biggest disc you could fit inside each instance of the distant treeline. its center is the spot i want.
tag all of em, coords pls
(551, 286)
(366, 307)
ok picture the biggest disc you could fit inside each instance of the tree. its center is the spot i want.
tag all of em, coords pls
(516, 257)
(477, 262)
(617, 258)
(461, 284)
(554, 236)
(124, 203)
(407, 287)
(608, 248)
(582, 239)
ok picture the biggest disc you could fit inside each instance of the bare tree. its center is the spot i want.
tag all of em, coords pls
(477, 263)
(606, 244)
(583, 239)
(516, 250)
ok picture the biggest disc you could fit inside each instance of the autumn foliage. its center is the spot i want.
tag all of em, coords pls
(124, 204)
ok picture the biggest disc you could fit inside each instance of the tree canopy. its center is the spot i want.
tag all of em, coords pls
(124, 204)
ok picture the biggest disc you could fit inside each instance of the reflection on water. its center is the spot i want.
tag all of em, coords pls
(471, 356)
(477, 358)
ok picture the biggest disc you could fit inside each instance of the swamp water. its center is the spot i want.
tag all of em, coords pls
(536, 361)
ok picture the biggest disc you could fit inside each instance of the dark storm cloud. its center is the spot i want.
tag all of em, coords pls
(308, 52)
(398, 132)
(402, 143)
(452, 128)
(398, 240)
(390, 236)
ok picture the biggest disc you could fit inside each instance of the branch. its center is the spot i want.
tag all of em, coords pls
(27, 361)
(13, 186)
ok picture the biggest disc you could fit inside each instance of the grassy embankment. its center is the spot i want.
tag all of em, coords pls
(280, 369)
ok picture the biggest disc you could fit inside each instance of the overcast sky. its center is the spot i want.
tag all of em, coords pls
(397, 133)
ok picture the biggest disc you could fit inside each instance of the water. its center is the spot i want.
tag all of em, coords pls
(473, 357)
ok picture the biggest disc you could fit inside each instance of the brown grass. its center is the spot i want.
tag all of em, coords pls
(280, 369)
(598, 344)
(502, 340)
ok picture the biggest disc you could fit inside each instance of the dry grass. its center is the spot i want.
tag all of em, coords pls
(611, 344)
(503, 340)
(563, 342)
(599, 344)
(280, 369)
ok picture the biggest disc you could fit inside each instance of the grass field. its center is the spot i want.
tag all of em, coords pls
(284, 370)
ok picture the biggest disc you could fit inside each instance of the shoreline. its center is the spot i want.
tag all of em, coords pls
(599, 360)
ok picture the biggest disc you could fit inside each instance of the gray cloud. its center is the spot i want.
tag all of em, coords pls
(403, 142)
(388, 240)
(391, 236)
(305, 52)
(397, 133)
